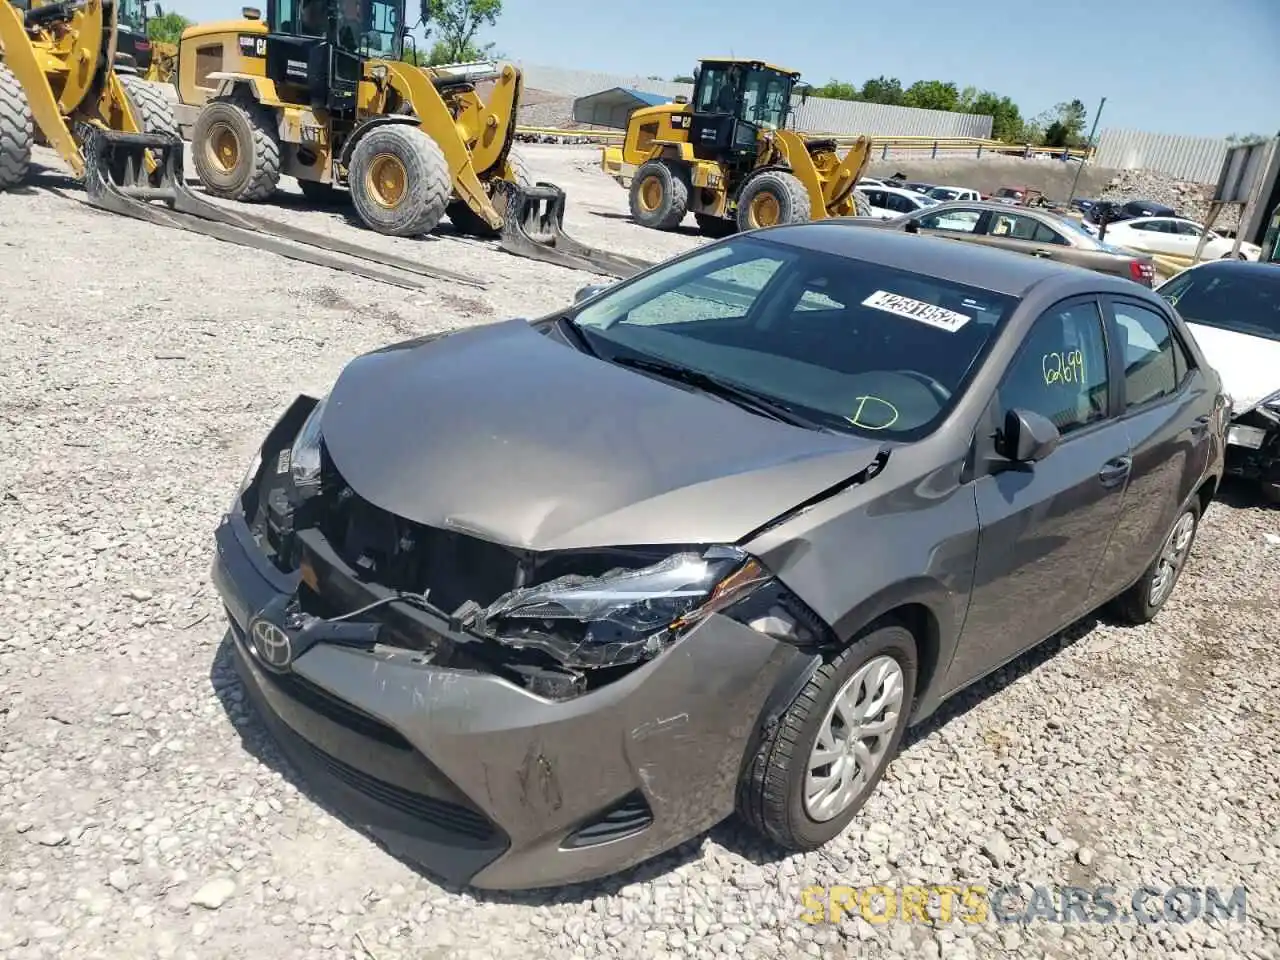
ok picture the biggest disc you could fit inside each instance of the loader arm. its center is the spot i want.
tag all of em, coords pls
(86, 26)
(496, 120)
(792, 150)
(435, 120)
(823, 194)
(20, 57)
(852, 169)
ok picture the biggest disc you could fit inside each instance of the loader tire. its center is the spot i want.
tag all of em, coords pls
(399, 181)
(467, 221)
(659, 195)
(236, 150)
(153, 109)
(771, 198)
(17, 131)
(861, 206)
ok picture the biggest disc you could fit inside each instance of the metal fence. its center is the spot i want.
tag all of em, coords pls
(1198, 159)
(817, 115)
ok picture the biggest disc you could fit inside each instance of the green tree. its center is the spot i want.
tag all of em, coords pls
(836, 90)
(883, 90)
(932, 95)
(1006, 118)
(682, 79)
(456, 24)
(167, 28)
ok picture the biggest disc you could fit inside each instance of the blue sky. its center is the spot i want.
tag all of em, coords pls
(1208, 67)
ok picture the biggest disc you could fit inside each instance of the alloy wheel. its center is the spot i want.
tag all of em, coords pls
(1172, 556)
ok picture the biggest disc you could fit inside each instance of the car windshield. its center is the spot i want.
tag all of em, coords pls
(845, 344)
(1246, 302)
(943, 193)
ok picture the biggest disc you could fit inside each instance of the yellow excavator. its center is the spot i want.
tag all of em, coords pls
(319, 92)
(728, 158)
(60, 88)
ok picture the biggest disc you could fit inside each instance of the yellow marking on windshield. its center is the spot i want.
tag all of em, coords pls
(1063, 368)
(857, 420)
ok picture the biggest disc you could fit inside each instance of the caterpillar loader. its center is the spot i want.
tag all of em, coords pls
(60, 88)
(729, 159)
(136, 53)
(319, 92)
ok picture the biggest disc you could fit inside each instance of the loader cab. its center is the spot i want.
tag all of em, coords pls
(320, 46)
(133, 48)
(733, 100)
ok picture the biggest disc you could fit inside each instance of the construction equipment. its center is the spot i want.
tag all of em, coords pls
(136, 53)
(59, 87)
(1271, 239)
(319, 92)
(729, 159)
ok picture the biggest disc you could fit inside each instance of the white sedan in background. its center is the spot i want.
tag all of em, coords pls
(889, 202)
(1174, 236)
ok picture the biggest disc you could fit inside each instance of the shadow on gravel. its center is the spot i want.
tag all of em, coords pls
(1240, 494)
(684, 230)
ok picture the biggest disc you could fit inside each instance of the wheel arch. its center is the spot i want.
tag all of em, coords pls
(373, 123)
(233, 85)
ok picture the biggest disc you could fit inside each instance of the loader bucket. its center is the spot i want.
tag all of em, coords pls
(533, 226)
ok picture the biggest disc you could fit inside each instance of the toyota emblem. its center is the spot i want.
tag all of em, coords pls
(271, 644)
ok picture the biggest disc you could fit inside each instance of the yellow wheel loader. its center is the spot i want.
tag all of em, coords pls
(59, 87)
(136, 53)
(319, 92)
(729, 159)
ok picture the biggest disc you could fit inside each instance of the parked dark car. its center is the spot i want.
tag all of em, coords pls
(1145, 208)
(1037, 233)
(535, 601)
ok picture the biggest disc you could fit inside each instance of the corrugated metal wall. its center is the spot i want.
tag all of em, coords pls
(1198, 159)
(819, 115)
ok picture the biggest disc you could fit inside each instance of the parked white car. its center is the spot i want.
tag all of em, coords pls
(889, 202)
(1174, 236)
(944, 194)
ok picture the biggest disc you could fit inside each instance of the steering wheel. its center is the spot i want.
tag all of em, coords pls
(937, 389)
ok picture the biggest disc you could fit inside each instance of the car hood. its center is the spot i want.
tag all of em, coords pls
(505, 434)
(1249, 366)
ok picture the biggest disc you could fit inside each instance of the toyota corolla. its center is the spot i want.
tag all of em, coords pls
(535, 601)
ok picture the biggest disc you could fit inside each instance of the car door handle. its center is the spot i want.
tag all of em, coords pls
(1114, 471)
(1040, 253)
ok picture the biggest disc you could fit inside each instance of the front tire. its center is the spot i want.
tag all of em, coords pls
(771, 198)
(236, 150)
(659, 196)
(1146, 598)
(818, 765)
(17, 131)
(399, 181)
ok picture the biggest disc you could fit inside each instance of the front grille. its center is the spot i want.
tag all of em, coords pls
(628, 816)
(440, 813)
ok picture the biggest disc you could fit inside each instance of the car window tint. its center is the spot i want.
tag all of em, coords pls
(874, 197)
(728, 292)
(1147, 346)
(1012, 226)
(902, 204)
(1061, 370)
(1184, 228)
(1046, 234)
(1248, 303)
(958, 221)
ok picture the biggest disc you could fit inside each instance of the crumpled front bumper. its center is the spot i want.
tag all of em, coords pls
(482, 782)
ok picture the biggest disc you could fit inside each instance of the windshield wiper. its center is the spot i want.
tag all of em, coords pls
(742, 396)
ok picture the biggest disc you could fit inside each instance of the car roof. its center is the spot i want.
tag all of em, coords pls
(1001, 271)
(1266, 272)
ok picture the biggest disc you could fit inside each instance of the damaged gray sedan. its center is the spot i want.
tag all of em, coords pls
(532, 602)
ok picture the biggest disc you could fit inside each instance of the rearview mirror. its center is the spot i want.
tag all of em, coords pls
(590, 290)
(1026, 437)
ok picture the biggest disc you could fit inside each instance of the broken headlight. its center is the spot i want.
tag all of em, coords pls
(624, 616)
(304, 456)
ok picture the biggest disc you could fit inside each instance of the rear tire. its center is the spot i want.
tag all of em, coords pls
(659, 195)
(467, 221)
(399, 181)
(771, 198)
(861, 208)
(236, 150)
(773, 790)
(1142, 601)
(17, 131)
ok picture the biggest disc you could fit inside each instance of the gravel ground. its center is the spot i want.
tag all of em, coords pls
(143, 813)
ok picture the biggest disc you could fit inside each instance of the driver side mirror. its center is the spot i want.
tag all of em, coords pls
(1026, 436)
(590, 290)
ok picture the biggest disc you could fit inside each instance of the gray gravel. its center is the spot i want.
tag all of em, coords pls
(143, 813)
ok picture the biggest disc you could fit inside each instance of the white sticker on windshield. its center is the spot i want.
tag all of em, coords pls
(902, 306)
